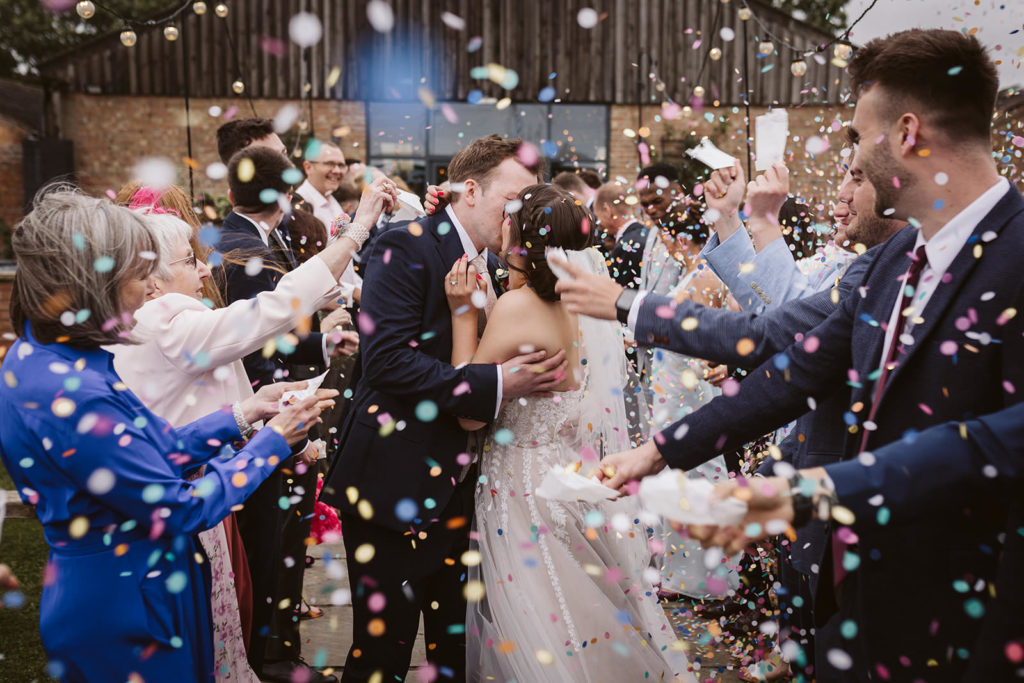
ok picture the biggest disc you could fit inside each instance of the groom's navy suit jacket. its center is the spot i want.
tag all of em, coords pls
(965, 361)
(401, 437)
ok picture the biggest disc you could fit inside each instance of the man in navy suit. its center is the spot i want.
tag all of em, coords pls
(404, 477)
(932, 335)
(619, 220)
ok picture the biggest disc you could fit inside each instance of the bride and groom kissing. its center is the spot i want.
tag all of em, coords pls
(449, 434)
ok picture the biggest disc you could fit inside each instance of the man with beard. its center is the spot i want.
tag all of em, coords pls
(931, 336)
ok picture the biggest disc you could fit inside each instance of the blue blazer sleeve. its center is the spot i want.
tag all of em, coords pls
(155, 495)
(715, 337)
(391, 318)
(773, 394)
(945, 465)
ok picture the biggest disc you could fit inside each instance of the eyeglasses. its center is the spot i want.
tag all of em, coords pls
(336, 165)
(189, 260)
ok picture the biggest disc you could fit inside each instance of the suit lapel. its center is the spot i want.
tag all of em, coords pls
(958, 273)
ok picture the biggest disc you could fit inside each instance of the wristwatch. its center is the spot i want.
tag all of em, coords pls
(244, 428)
(624, 303)
(818, 505)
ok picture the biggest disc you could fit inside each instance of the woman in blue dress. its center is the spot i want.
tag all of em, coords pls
(125, 594)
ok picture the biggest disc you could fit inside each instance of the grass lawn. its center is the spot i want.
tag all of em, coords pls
(22, 548)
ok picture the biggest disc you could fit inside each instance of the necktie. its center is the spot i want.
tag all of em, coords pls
(286, 251)
(918, 263)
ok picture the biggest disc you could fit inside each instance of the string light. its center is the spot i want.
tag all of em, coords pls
(221, 10)
(199, 7)
(715, 54)
(698, 91)
(128, 37)
(85, 9)
(238, 87)
(171, 33)
(843, 50)
(766, 47)
(798, 68)
(744, 13)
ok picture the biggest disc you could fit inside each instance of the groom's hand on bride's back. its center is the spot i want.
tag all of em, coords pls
(532, 373)
(588, 294)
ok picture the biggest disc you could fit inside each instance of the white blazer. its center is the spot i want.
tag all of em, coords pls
(189, 361)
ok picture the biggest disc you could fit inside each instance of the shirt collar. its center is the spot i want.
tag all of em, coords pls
(264, 232)
(99, 360)
(943, 247)
(467, 244)
(312, 195)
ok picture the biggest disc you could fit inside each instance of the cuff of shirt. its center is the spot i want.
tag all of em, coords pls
(327, 356)
(497, 407)
(634, 310)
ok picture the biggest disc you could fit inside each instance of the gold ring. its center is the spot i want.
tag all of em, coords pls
(719, 196)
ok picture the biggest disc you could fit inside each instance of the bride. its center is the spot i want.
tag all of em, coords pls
(559, 591)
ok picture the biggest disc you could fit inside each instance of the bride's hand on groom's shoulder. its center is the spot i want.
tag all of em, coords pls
(532, 374)
(621, 471)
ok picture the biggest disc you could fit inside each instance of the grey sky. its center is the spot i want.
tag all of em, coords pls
(994, 19)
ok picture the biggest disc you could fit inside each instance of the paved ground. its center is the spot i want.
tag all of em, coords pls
(326, 639)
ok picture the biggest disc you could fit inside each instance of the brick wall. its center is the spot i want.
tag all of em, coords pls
(13, 194)
(112, 133)
(814, 178)
(6, 281)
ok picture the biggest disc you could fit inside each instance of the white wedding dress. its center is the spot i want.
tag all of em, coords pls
(567, 586)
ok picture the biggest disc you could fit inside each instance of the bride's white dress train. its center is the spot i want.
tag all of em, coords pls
(567, 597)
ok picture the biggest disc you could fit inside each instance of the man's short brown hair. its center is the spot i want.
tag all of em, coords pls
(483, 155)
(268, 167)
(947, 73)
(236, 135)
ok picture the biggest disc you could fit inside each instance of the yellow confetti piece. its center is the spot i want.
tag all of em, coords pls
(364, 553)
(843, 515)
(63, 407)
(427, 97)
(977, 251)
(415, 229)
(246, 170)
(10, 380)
(471, 558)
(376, 627)
(238, 479)
(745, 346)
(689, 379)
(689, 324)
(544, 657)
(503, 103)
(191, 163)
(78, 527)
(333, 76)
(120, 549)
(365, 509)
(506, 647)
(435, 471)
(474, 591)
(352, 493)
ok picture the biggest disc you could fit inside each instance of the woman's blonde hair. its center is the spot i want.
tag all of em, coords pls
(168, 229)
(74, 253)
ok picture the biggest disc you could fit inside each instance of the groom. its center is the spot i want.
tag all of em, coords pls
(403, 480)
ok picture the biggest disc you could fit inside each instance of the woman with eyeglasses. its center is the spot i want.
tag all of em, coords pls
(188, 362)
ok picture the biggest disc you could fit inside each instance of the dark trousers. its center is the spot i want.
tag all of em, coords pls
(260, 524)
(414, 575)
(283, 642)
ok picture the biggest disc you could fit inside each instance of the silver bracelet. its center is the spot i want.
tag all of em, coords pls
(355, 232)
(244, 428)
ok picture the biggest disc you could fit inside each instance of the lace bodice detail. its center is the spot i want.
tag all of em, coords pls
(535, 421)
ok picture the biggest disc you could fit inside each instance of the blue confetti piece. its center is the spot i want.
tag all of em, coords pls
(426, 411)
(546, 94)
(474, 97)
(104, 264)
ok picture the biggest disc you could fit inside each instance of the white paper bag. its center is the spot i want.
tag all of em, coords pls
(290, 397)
(675, 496)
(709, 155)
(771, 131)
(562, 484)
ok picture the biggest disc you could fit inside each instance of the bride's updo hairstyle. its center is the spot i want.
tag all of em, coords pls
(549, 217)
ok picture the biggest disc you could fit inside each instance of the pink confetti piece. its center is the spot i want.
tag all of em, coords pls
(948, 348)
(1008, 387)
(812, 344)
(925, 408)
(460, 389)
(366, 323)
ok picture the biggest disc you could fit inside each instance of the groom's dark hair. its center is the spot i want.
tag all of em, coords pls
(549, 217)
(479, 159)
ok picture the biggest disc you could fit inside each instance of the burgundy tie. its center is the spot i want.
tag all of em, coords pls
(918, 262)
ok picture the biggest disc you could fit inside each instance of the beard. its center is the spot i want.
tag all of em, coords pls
(881, 168)
(870, 230)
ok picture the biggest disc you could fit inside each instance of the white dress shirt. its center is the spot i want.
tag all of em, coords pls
(941, 250)
(471, 251)
(189, 363)
(326, 209)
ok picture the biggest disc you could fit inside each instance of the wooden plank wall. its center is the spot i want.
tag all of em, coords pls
(612, 62)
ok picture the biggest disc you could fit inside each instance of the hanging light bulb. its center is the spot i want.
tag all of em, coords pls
(199, 7)
(798, 68)
(698, 91)
(128, 37)
(238, 86)
(85, 9)
(766, 47)
(744, 13)
(715, 54)
(221, 10)
(171, 33)
(843, 50)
